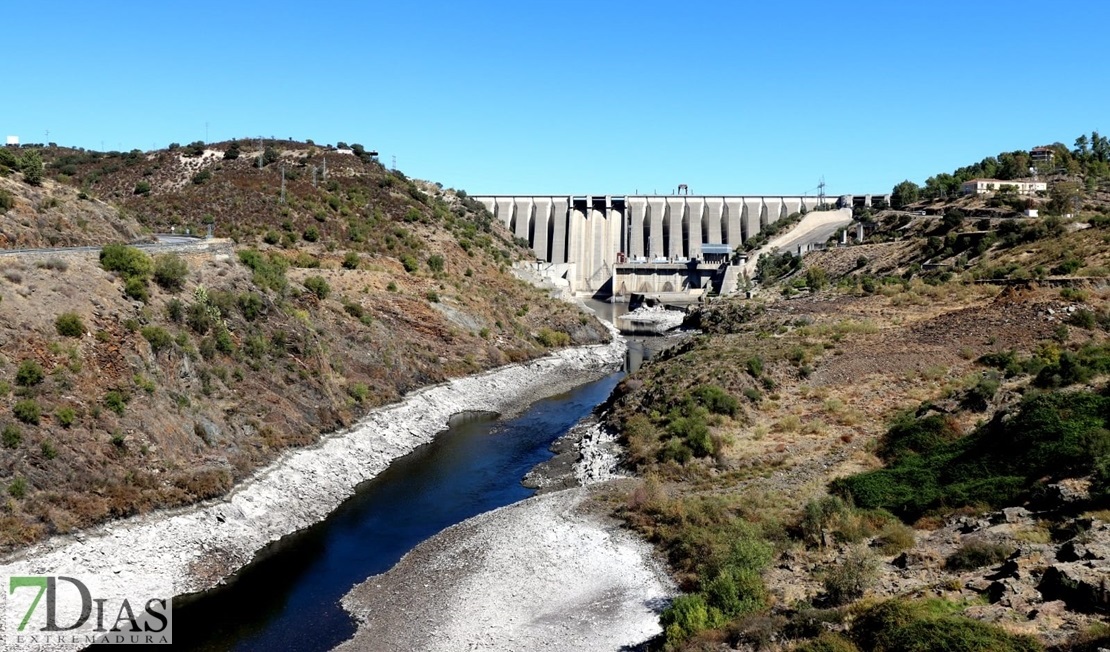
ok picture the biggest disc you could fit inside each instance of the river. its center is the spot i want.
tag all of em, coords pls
(288, 597)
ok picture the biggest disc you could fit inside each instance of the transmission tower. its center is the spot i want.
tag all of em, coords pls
(821, 192)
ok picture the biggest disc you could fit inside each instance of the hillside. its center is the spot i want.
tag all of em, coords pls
(134, 383)
(896, 445)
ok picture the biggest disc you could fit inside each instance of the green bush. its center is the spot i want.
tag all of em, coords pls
(250, 305)
(115, 401)
(224, 343)
(68, 324)
(27, 411)
(311, 234)
(351, 260)
(432, 296)
(175, 310)
(48, 450)
(848, 579)
(926, 626)
(318, 286)
(170, 271)
(552, 338)
(1052, 435)
(435, 263)
(11, 436)
(18, 487)
(976, 553)
(410, 263)
(716, 400)
(135, 288)
(29, 374)
(158, 337)
(686, 616)
(66, 416)
(142, 188)
(128, 262)
(358, 391)
(32, 168)
(827, 642)
(755, 366)
(7, 201)
(269, 271)
(202, 176)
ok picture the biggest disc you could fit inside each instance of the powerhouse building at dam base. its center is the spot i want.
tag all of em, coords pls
(610, 245)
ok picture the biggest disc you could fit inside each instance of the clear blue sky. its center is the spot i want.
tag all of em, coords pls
(573, 96)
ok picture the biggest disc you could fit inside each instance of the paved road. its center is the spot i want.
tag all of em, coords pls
(815, 228)
(163, 241)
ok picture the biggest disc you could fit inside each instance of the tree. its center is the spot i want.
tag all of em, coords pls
(31, 166)
(904, 193)
(1081, 146)
(269, 155)
(232, 151)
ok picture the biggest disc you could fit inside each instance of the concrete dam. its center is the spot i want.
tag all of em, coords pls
(584, 238)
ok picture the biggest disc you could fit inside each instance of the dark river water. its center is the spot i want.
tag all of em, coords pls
(288, 597)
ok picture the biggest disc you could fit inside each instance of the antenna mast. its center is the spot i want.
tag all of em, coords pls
(821, 192)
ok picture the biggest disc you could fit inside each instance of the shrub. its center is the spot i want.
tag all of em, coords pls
(923, 626)
(129, 262)
(755, 366)
(351, 260)
(232, 151)
(48, 450)
(251, 305)
(135, 288)
(11, 436)
(269, 271)
(175, 310)
(115, 401)
(980, 396)
(170, 271)
(68, 324)
(31, 166)
(18, 487)
(142, 188)
(158, 337)
(29, 374)
(435, 263)
(410, 263)
(552, 338)
(1052, 435)
(432, 296)
(7, 201)
(827, 642)
(358, 391)
(716, 400)
(976, 553)
(318, 286)
(311, 234)
(848, 580)
(27, 411)
(66, 416)
(686, 616)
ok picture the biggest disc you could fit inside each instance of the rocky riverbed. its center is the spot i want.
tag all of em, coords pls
(543, 574)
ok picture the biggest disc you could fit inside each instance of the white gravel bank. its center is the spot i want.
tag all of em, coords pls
(171, 553)
(536, 575)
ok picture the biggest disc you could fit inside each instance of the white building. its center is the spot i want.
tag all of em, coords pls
(985, 186)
